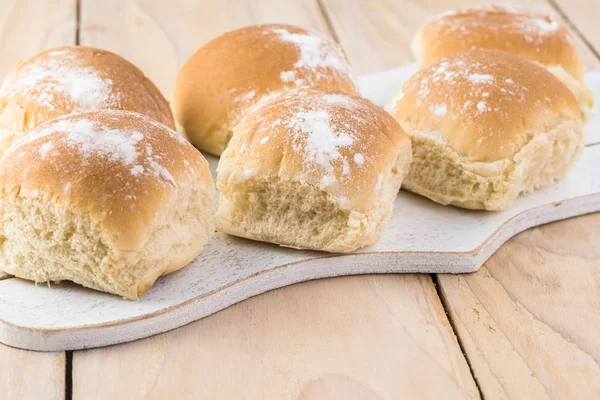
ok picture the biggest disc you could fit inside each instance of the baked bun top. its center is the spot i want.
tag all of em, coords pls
(484, 104)
(118, 167)
(71, 79)
(340, 143)
(231, 73)
(533, 35)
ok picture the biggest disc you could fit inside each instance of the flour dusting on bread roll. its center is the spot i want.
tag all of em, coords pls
(312, 170)
(110, 200)
(485, 126)
(234, 72)
(536, 36)
(72, 79)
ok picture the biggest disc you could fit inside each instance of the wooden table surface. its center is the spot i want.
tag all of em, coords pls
(525, 326)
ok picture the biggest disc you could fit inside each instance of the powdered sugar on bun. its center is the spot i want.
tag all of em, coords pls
(61, 73)
(105, 158)
(330, 140)
(482, 103)
(73, 79)
(212, 92)
(316, 52)
(534, 25)
(534, 35)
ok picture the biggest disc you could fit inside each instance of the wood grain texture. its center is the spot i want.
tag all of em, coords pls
(528, 320)
(376, 34)
(366, 337)
(30, 375)
(29, 26)
(583, 14)
(172, 31)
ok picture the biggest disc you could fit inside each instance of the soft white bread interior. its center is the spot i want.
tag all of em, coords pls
(232, 73)
(485, 126)
(72, 79)
(312, 170)
(110, 200)
(533, 35)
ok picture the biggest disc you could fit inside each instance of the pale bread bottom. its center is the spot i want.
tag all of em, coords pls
(442, 175)
(298, 215)
(44, 242)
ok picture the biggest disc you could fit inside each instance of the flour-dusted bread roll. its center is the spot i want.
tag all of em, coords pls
(485, 126)
(232, 73)
(110, 199)
(72, 79)
(311, 170)
(536, 36)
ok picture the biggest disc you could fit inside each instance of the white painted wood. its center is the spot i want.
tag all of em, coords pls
(421, 237)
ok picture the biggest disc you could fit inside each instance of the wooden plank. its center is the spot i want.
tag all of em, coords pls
(365, 336)
(172, 31)
(389, 25)
(528, 320)
(584, 15)
(29, 26)
(30, 375)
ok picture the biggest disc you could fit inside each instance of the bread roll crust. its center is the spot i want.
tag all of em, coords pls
(71, 79)
(484, 103)
(533, 35)
(475, 117)
(121, 176)
(340, 147)
(232, 73)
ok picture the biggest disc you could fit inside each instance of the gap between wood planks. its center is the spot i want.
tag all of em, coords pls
(69, 354)
(444, 301)
(69, 375)
(77, 21)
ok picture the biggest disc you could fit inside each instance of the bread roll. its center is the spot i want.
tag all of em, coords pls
(485, 126)
(311, 170)
(73, 79)
(235, 71)
(533, 35)
(109, 199)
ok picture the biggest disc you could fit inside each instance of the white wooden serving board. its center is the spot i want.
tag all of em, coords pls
(421, 237)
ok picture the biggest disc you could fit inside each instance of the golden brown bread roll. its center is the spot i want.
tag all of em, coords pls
(71, 79)
(485, 126)
(110, 200)
(234, 72)
(312, 170)
(533, 35)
